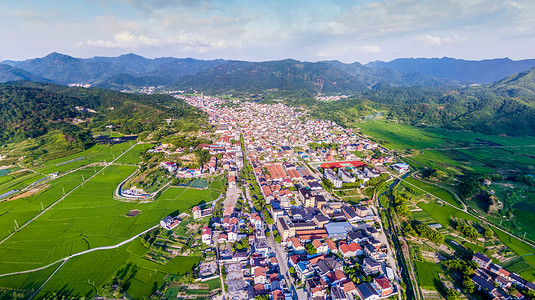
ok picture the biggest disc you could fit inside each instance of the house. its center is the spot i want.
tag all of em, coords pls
(260, 275)
(350, 250)
(336, 276)
(320, 220)
(372, 252)
(331, 176)
(196, 212)
(482, 260)
(233, 233)
(382, 286)
(366, 291)
(206, 235)
(316, 288)
(338, 230)
(345, 176)
(169, 223)
(296, 244)
(334, 263)
(304, 270)
(331, 245)
(256, 220)
(350, 214)
(349, 288)
(337, 293)
(370, 267)
(320, 247)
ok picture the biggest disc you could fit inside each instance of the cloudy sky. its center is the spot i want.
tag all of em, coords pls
(358, 30)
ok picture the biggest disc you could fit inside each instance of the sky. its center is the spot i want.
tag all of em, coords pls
(312, 30)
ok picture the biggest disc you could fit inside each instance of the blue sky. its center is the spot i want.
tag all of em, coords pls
(311, 30)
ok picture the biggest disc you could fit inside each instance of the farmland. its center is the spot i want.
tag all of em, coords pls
(427, 275)
(87, 218)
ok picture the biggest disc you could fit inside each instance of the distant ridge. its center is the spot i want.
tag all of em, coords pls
(131, 71)
(464, 71)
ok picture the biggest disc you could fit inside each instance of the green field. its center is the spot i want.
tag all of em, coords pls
(97, 153)
(132, 156)
(24, 209)
(428, 275)
(433, 190)
(90, 218)
(444, 214)
(126, 262)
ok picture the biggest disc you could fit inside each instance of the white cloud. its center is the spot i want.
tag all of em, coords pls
(124, 39)
(431, 40)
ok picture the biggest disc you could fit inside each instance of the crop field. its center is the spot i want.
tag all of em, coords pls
(132, 156)
(25, 208)
(97, 153)
(18, 181)
(138, 275)
(433, 190)
(427, 275)
(90, 218)
(399, 136)
(444, 214)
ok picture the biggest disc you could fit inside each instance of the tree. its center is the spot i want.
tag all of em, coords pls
(311, 249)
(469, 286)
(203, 156)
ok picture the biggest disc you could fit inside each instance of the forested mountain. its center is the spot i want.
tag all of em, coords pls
(504, 107)
(389, 77)
(29, 110)
(132, 71)
(465, 71)
(9, 73)
(64, 69)
(517, 85)
(290, 75)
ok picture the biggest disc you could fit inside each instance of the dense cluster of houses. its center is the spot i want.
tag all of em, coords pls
(494, 280)
(227, 146)
(276, 138)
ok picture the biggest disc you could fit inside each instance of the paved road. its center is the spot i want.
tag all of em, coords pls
(60, 199)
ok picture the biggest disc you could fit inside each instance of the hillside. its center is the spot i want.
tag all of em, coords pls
(64, 69)
(389, 77)
(272, 75)
(517, 85)
(30, 110)
(465, 71)
(131, 71)
(9, 73)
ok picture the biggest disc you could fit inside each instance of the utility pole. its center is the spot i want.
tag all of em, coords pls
(63, 191)
(16, 223)
(42, 208)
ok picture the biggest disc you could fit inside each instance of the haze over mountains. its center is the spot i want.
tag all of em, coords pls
(132, 71)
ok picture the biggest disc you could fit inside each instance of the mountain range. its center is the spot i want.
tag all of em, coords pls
(464, 71)
(131, 71)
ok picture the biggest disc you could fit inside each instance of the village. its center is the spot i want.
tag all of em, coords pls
(280, 233)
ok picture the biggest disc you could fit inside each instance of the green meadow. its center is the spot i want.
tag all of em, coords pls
(90, 217)
(428, 275)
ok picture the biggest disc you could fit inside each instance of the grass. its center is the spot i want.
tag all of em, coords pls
(26, 208)
(444, 214)
(474, 247)
(521, 267)
(90, 218)
(97, 153)
(133, 156)
(427, 275)
(433, 190)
